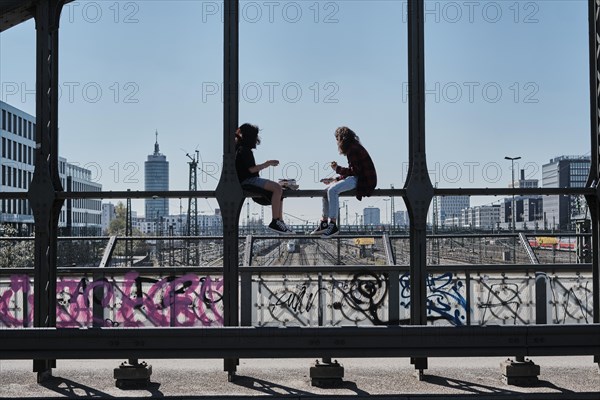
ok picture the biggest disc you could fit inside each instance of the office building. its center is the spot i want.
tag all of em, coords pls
(481, 217)
(109, 214)
(449, 210)
(176, 225)
(371, 216)
(401, 218)
(156, 178)
(83, 216)
(563, 172)
(17, 133)
(528, 209)
(525, 183)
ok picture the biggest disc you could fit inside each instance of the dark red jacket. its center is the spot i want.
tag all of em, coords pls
(361, 166)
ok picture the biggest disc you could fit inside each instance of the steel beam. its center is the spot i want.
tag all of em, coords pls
(46, 181)
(594, 175)
(593, 182)
(108, 252)
(229, 191)
(350, 341)
(393, 282)
(307, 269)
(419, 190)
(312, 193)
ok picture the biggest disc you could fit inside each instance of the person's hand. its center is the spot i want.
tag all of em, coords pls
(272, 163)
(327, 181)
(334, 165)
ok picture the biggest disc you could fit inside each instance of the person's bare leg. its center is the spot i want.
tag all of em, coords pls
(276, 202)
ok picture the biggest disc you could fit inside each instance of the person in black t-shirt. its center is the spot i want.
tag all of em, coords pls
(246, 139)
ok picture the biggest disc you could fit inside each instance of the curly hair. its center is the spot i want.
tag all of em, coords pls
(247, 135)
(345, 137)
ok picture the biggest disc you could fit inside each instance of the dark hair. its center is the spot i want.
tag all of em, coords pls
(247, 135)
(345, 138)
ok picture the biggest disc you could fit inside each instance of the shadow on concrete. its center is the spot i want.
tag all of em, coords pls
(271, 388)
(352, 386)
(73, 390)
(467, 387)
(267, 387)
(478, 389)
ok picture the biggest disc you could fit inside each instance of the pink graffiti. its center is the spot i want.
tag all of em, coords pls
(182, 301)
(74, 302)
(130, 301)
(16, 300)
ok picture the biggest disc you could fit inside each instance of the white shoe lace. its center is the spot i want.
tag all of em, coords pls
(281, 225)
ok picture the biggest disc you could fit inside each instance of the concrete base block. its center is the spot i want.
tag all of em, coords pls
(132, 376)
(520, 373)
(325, 374)
(44, 376)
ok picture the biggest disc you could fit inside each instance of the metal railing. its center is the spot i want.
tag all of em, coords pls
(332, 282)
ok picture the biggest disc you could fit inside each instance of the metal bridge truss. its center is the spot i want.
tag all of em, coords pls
(45, 343)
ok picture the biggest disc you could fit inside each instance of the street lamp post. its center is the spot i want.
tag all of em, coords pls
(512, 185)
(346, 207)
(386, 211)
(512, 207)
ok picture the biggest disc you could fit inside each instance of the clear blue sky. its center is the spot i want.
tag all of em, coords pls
(504, 78)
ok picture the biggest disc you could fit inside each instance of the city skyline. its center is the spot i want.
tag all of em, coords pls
(493, 89)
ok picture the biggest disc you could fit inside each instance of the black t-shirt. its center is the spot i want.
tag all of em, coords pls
(244, 159)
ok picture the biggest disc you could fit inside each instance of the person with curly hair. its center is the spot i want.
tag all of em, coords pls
(360, 175)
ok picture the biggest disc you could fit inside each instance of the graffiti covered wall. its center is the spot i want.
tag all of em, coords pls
(133, 300)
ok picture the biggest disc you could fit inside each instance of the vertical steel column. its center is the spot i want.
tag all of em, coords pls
(246, 286)
(69, 228)
(46, 181)
(393, 282)
(594, 176)
(419, 190)
(128, 234)
(541, 298)
(229, 191)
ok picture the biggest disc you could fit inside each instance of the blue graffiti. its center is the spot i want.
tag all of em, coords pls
(444, 298)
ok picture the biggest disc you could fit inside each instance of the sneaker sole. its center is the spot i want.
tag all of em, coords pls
(328, 236)
(318, 232)
(281, 232)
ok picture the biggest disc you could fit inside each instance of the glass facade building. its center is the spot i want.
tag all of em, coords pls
(563, 172)
(371, 216)
(156, 177)
(17, 160)
(449, 209)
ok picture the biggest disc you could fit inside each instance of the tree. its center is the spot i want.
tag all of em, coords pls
(117, 228)
(117, 225)
(13, 253)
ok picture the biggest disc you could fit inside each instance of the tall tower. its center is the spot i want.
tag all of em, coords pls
(156, 177)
